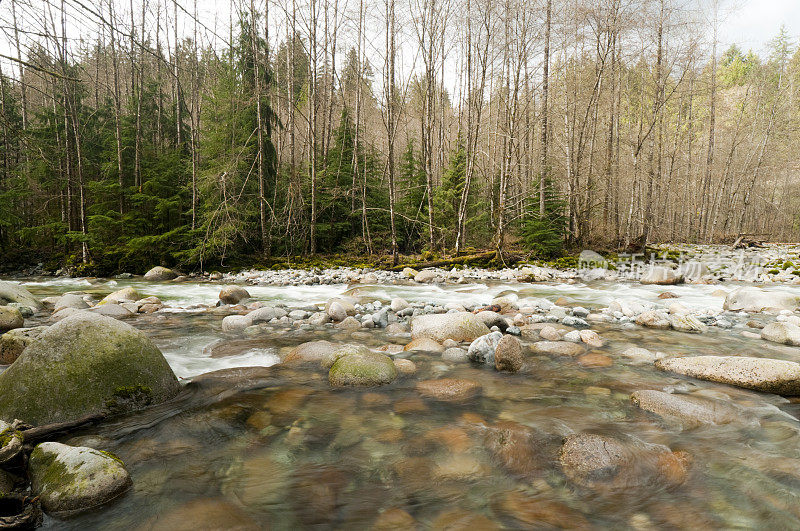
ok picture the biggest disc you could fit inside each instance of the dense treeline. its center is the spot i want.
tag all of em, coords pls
(313, 126)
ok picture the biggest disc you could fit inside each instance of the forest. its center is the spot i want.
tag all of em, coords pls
(144, 132)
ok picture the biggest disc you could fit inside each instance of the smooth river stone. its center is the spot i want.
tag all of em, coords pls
(690, 410)
(760, 374)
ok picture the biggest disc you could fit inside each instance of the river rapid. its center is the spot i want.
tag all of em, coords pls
(286, 450)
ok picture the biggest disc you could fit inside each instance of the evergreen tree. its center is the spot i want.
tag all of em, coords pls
(412, 205)
(544, 235)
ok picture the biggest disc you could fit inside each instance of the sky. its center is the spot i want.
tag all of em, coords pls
(753, 23)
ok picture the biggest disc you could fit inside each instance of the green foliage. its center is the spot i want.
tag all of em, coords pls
(412, 204)
(544, 234)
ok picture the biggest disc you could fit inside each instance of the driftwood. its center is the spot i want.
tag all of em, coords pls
(43, 432)
(745, 241)
(447, 262)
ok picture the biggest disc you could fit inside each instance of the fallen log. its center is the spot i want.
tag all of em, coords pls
(447, 262)
(43, 432)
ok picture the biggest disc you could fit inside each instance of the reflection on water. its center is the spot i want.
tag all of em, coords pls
(291, 452)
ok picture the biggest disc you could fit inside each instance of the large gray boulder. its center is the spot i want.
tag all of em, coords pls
(160, 273)
(73, 479)
(750, 299)
(85, 364)
(11, 292)
(70, 300)
(760, 374)
(458, 326)
(10, 318)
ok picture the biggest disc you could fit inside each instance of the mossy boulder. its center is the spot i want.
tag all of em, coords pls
(362, 369)
(73, 479)
(85, 364)
(11, 292)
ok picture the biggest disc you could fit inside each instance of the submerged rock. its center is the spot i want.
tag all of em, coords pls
(518, 448)
(611, 464)
(73, 479)
(532, 512)
(424, 344)
(760, 374)
(13, 342)
(87, 364)
(203, 513)
(751, 299)
(449, 389)
(458, 326)
(10, 318)
(363, 369)
(688, 409)
(159, 273)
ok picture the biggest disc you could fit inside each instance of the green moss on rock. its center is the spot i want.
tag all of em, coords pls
(85, 364)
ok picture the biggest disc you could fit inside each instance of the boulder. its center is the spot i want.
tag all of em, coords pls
(111, 309)
(653, 319)
(782, 332)
(311, 351)
(336, 311)
(549, 333)
(348, 303)
(10, 444)
(363, 369)
(234, 323)
(424, 344)
(341, 351)
(686, 323)
(689, 410)
(517, 448)
(482, 349)
(11, 292)
(398, 304)
(70, 300)
(121, 295)
(458, 326)
(13, 342)
(159, 273)
(558, 348)
(508, 354)
(750, 299)
(455, 354)
(73, 479)
(426, 276)
(88, 364)
(10, 318)
(490, 319)
(662, 276)
(233, 294)
(760, 374)
(265, 314)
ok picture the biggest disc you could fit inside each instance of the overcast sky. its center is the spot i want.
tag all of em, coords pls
(753, 23)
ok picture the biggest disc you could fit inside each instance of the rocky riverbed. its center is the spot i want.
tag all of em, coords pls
(525, 397)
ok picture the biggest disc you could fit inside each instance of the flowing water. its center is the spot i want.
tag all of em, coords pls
(287, 451)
